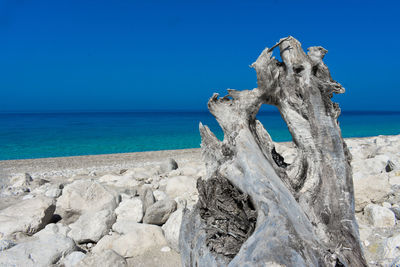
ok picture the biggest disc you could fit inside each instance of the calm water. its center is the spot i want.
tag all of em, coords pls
(25, 136)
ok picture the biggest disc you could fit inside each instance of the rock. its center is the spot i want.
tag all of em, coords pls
(371, 189)
(389, 166)
(171, 229)
(159, 195)
(130, 209)
(6, 244)
(123, 171)
(396, 211)
(180, 186)
(54, 191)
(91, 226)
(379, 216)
(169, 165)
(73, 259)
(165, 249)
(105, 259)
(21, 180)
(386, 205)
(147, 197)
(92, 174)
(27, 216)
(159, 212)
(87, 195)
(39, 181)
(141, 238)
(44, 249)
(392, 247)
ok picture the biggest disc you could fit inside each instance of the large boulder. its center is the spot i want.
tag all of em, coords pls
(373, 189)
(147, 197)
(27, 216)
(379, 216)
(171, 229)
(105, 259)
(43, 249)
(159, 212)
(142, 238)
(91, 226)
(87, 195)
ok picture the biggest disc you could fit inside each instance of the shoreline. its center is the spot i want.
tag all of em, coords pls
(80, 165)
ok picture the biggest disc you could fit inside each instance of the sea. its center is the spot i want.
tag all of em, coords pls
(41, 135)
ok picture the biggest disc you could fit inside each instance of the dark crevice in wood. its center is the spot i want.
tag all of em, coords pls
(229, 215)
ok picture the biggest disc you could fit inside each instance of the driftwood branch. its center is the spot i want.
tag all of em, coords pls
(303, 212)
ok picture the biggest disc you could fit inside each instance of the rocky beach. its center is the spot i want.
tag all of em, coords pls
(126, 209)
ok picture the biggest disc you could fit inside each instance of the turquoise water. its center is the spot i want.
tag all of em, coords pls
(25, 136)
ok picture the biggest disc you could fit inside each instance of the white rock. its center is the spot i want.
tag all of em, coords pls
(130, 209)
(386, 205)
(171, 229)
(371, 189)
(379, 216)
(181, 186)
(159, 195)
(392, 247)
(73, 258)
(87, 195)
(91, 226)
(122, 226)
(125, 180)
(54, 191)
(165, 249)
(27, 216)
(105, 259)
(141, 239)
(44, 249)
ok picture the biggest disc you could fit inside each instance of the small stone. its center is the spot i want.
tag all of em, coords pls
(123, 171)
(165, 249)
(73, 258)
(89, 245)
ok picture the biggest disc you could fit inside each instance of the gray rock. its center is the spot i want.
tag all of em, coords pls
(73, 259)
(379, 216)
(159, 212)
(147, 197)
(92, 226)
(171, 229)
(27, 216)
(44, 249)
(105, 259)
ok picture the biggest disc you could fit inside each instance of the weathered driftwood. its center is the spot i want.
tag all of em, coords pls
(304, 211)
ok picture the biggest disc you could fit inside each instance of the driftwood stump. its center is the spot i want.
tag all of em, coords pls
(256, 210)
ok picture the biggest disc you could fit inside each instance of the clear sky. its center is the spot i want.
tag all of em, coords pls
(158, 55)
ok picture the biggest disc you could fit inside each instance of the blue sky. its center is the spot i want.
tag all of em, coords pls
(160, 55)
